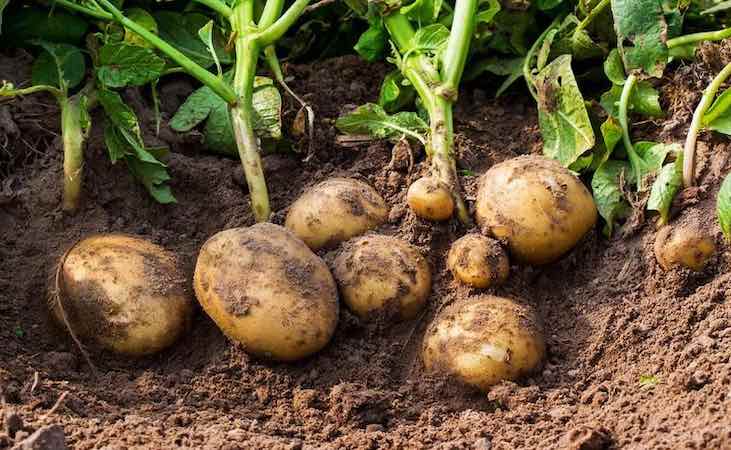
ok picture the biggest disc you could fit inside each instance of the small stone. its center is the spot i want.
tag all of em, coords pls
(374, 427)
(482, 444)
(697, 380)
(46, 438)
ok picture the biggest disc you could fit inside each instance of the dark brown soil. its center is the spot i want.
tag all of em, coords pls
(637, 357)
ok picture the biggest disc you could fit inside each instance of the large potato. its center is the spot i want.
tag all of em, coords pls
(536, 206)
(483, 341)
(478, 261)
(334, 211)
(686, 244)
(382, 276)
(122, 293)
(266, 289)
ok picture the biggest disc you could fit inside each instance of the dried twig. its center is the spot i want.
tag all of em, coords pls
(55, 405)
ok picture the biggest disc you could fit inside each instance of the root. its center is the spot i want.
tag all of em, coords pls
(55, 301)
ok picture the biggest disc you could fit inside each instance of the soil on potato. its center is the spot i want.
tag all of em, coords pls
(637, 357)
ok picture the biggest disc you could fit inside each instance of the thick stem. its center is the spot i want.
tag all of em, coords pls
(458, 45)
(443, 166)
(697, 123)
(242, 119)
(699, 37)
(272, 10)
(73, 152)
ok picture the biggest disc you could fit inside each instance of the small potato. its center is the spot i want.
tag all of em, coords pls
(478, 261)
(266, 289)
(483, 341)
(430, 199)
(536, 206)
(382, 275)
(685, 244)
(122, 293)
(334, 211)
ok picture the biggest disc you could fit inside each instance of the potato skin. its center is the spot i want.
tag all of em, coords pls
(334, 211)
(484, 340)
(478, 261)
(266, 289)
(123, 293)
(685, 245)
(430, 200)
(382, 276)
(536, 206)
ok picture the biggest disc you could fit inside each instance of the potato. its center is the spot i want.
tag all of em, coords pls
(685, 244)
(334, 211)
(266, 289)
(122, 293)
(536, 206)
(484, 340)
(382, 276)
(430, 199)
(478, 261)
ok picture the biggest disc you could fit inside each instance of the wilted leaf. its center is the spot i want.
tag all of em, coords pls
(144, 19)
(562, 115)
(370, 119)
(123, 65)
(614, 68)
(608, 195)
(59, 62)
(641, 23)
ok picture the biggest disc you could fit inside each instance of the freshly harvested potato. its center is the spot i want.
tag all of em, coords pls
(478, 261)
(266, 289)
(536, 206)
(122, 293)
(430, 199)
(334, 211)
(686, 244)
(483, 341)
(382, 276)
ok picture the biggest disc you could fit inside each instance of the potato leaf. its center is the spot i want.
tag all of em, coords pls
(372, 44)
(645, 100)
(666, 186)
(562, 115)
(25, 25)
(396, 92)
(123, 65)
(181, 31)
(510, 67)
(370, 119)
(206, 35)
(430, 39)
(614, 68)
(143, 18)
(606, 185)
(718, 116)
(641, 23)
(723, 207)
(422, 11)
(569, 41)
(652, 156)
(59, 65)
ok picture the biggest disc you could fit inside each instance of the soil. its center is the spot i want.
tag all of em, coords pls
(637, 357)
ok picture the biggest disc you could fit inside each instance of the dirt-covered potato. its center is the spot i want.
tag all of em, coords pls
(430, 200)
(686, 244)
(484, 340)
(122, 293)
(536, 206)
(334, 211)
(266, 289)
(478, 261)
(382, 276)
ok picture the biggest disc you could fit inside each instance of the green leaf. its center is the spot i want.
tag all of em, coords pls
(723, 6)
(195, 109)
(642, 23)
(720, 111)
(645, 100)
(608, 195)
(611, 133)
(370, 119)
(430, 39)
(545, 52)
(115, 143)
(562, 115)
(614, 68)
(371, 45)
(723, 207)
(123, 65)
(181, 31)
(648, 381)
(143, 18)
(118, 112)
(206, 35)
(486, 16)
(153, 177)
(511, 31)
(395, 92)
(569, 41)
(666, 186)
(423, 11)
(652, 156)
(59, 62)
(23, 26)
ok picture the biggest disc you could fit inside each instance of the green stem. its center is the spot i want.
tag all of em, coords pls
(400, 30)
(624, 101)
(699, 37)
(697, 123)
(272, 10)
(217, 85)
(528, 63)
(276, 30)
(218, 6)
(103, 15)
(73, 151)
(458, 45)
(7, 90)
(593, 14)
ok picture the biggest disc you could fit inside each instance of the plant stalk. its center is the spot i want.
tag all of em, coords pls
(697, 123)
(73, 151)
(624, 101)
(593, 14)
(458, 45)
(699, 37)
